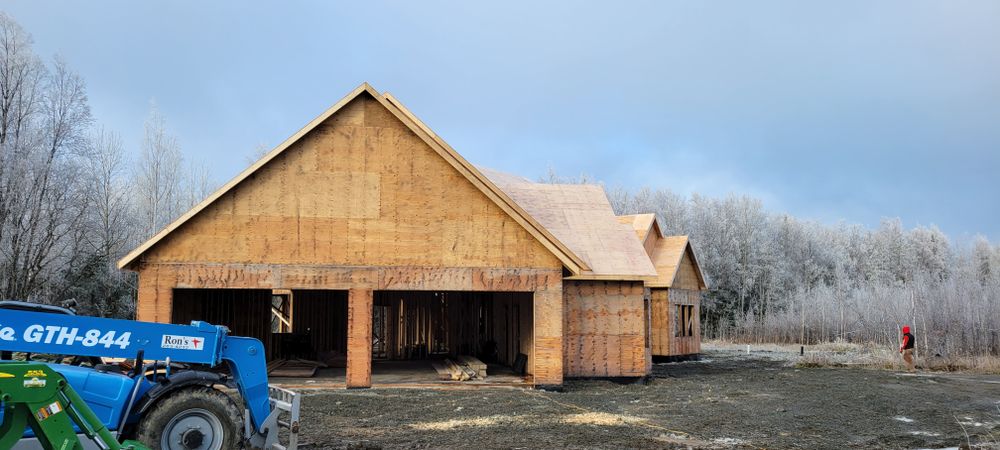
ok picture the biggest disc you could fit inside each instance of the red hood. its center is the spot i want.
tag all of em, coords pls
(906, 329)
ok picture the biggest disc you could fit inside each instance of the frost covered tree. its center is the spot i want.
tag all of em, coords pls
(69, 207)
(159, 176)
(775, 278)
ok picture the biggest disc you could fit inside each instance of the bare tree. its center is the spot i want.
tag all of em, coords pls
(110, 222)
(159, 176)
(46, 115)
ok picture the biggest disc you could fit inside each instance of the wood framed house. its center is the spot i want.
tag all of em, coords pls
(366, 235)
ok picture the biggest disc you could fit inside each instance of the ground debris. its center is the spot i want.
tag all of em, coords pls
(765, 403)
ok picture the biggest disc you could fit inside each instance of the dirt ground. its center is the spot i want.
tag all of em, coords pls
(728, 399)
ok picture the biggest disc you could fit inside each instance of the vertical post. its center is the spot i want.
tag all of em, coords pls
(359, 338)
(154, 299)
(548, 336)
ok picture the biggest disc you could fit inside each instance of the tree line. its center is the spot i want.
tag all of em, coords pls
(71, 200)
(775, 278)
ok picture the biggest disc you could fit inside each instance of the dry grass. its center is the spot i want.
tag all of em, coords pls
(452, 424)
(846, 354)
(601, 418)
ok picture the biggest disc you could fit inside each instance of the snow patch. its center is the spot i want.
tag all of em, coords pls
(729, 441)
(970, 422)
(903, 419)
(925, 433)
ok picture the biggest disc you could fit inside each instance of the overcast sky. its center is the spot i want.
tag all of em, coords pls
(845, 111)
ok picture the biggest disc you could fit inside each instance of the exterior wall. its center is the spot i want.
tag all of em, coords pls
(606, 329)
(685, 290)
(360, 203)
(686, 277)
(665, 341)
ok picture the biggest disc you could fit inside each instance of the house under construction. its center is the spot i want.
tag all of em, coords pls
(366, 235)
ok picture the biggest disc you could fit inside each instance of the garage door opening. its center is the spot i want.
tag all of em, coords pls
(415, 334)
(293, 325)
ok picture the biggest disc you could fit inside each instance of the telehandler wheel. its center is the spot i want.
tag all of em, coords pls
(199, 418)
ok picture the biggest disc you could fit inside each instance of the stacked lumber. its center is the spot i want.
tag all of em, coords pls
(443, 372)
(475, 364)
(463, 368)
(299, 368)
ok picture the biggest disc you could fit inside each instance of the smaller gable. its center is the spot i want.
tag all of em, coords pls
(672, 255)
(580, 216)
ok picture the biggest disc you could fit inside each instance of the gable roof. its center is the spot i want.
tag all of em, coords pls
(640, 223)
(571, 261)
(668, 252)
(581, 216)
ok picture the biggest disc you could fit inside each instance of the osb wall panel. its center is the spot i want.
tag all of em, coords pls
(360, 189)
(665, 341)
(649, 244)
(605, 329)
(547, 358)
(686, 277)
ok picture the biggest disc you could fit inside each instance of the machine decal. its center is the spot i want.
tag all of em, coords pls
(68, 336)
(35, 373)
(6, 334)
(34, 383)
(182, 342)
(6, 375)
(46, 411)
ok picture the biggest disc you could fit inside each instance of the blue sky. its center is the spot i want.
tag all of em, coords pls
(842, 110)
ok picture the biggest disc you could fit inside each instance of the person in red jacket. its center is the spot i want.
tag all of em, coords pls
(907, 348)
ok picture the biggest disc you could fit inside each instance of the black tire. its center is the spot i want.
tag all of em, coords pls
(199, 406)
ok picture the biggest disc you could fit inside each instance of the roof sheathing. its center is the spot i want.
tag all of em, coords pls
(581, 217)
(572, 262)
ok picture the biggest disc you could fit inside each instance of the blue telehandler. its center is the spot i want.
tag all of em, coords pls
(190, 387)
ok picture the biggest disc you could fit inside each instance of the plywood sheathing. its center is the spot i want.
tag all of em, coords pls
(605, 328)
(156, 281)
(665, 326)
(666, 252)
(359, 338)
(679, 281)
(320, 203)
(356, 162)
(581, 217)
(641, 224)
